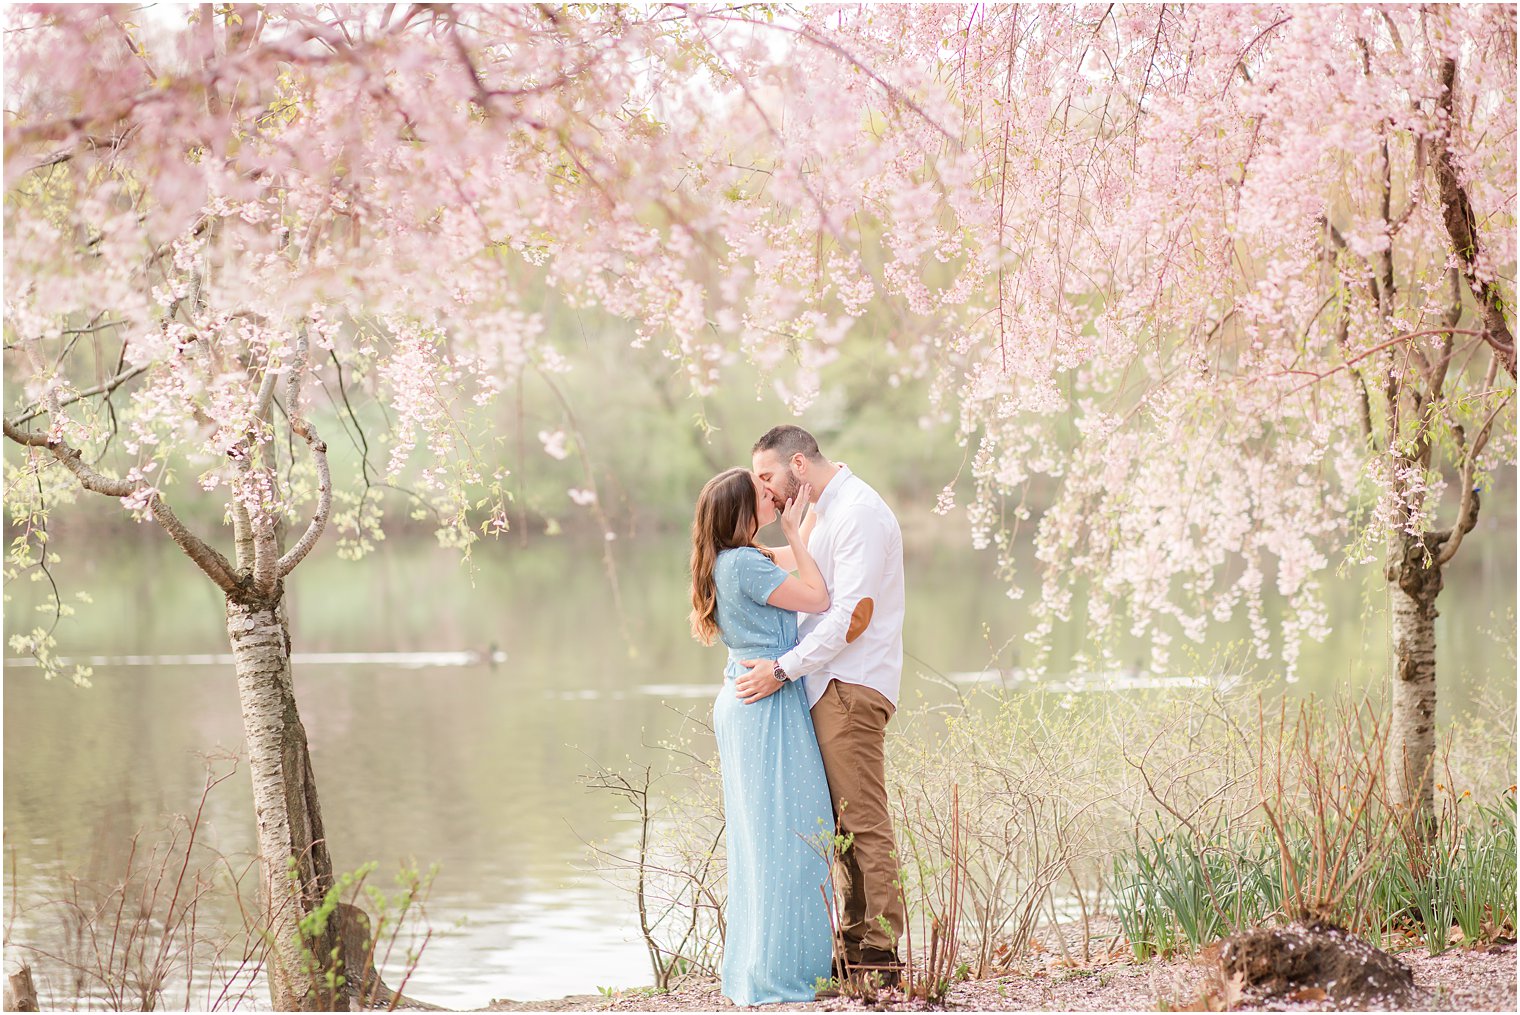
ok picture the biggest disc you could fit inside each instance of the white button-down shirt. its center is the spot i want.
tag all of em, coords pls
(858, 546)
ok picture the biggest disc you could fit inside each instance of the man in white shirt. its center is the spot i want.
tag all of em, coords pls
(850, 661)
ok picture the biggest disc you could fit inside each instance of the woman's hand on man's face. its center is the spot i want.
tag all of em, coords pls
(796, 510)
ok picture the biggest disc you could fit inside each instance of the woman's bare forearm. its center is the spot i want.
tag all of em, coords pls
(785, 557)
(805, 566)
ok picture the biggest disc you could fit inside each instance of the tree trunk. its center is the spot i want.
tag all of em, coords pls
(20, 992)
(294, 865)
(1415, 582)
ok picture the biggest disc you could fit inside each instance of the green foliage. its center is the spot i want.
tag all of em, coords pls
(386, 921)
(1177, 892)
(614, 993)
(1461, 877)
(1174, 893)
(29, 554)
(1490, 849)
(1048, 784)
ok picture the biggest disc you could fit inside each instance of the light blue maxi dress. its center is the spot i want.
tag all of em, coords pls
(775, 801)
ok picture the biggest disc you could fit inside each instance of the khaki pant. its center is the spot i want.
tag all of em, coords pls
(851, 722)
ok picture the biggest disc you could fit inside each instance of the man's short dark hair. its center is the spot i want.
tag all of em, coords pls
(787, 441)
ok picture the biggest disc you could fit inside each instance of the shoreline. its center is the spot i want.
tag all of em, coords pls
(1482, 978)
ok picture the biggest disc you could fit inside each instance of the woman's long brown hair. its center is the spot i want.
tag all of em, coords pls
(725, 520)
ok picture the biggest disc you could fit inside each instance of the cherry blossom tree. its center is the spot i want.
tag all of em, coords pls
(210, 217)
(1236, 283)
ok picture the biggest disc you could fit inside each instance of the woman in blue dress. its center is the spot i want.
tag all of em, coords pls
(775, 797)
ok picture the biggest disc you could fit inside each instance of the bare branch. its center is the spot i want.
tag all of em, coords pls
(266, 547)
(1467, 509)
(302, 426)
(106, 387)
(1396, 340)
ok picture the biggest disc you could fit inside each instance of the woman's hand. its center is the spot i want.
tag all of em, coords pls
(807, 591)
(795, 511)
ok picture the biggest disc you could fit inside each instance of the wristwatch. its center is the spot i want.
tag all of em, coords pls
(779, 673)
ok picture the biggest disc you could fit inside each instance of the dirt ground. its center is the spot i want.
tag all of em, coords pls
(1478, 979)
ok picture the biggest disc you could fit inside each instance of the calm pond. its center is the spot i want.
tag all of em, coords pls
(425, 751)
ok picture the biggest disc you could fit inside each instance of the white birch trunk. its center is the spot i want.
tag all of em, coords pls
(285, 803)
(1414, 589)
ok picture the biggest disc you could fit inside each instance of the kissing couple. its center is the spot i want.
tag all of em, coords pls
(814, 637)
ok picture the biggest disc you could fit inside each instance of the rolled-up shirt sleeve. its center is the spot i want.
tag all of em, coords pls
(859, 565)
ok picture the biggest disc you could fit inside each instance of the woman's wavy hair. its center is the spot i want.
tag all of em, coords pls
(725, 520)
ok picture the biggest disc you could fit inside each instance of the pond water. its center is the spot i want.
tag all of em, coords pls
(450, 722)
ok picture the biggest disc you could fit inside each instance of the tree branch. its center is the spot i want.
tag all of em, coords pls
(1461, 225)
(302, 426)
(1364, 402)
(893, 92)
(260, 531)
(1321, 375)
(1467, 509)
(205, 557)
(105, 387)
(1453, 314)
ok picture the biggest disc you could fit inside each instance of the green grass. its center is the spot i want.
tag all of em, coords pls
(1175, 893)
(1465, 878)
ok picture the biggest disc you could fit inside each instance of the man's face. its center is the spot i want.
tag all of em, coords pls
(777, 477)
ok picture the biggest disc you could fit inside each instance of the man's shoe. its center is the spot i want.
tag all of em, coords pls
(884, 965)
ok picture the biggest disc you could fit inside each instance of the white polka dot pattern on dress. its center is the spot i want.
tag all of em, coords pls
(775, 802)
